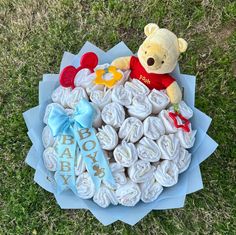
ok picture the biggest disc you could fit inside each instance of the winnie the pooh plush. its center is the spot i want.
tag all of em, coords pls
(157, 57)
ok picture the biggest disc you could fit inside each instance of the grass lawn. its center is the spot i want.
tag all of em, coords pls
(34, 35)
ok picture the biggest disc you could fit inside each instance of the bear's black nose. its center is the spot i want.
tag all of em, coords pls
(150, 61)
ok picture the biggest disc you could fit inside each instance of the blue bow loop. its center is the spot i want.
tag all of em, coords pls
(58, 121)
(84, 114)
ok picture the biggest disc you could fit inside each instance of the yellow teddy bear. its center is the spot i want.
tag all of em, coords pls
(157, 57)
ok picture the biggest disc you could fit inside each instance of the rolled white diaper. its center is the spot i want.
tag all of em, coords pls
(107, 137)
(47, 137)
(118, 172)
(183, 160)
(184, 109)
(169, 146)
(85, 186)
(168, 122)
(136, 87)
(141, 171)
(167, 173)
(131, 130)
(58, 93)
(153, 127)
(125, 154)
(186, 139)
(101, 98)
(148, 150)
(75, 96)
(121, 95)
(65, 97)
(97, 121)
(49, 109)
(50, 159)
(105, 196)
(113, 114)
(80, 166)
(159, 100)
(128, 194)
(150, 190)
(140, 107)
(82, 78)
(69, 112)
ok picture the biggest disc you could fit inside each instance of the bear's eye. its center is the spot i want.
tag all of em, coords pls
(162, 61)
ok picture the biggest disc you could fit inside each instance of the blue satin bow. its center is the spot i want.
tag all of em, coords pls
(60, 122)
(68, 131)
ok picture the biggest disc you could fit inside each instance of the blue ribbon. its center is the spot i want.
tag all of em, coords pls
(77, 131)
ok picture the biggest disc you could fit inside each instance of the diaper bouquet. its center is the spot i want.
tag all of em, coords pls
(118, 134)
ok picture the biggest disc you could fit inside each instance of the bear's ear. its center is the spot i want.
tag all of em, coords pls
(150, 28)
(182, 45)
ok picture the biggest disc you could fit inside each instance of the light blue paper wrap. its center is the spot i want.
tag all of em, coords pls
(174, 197)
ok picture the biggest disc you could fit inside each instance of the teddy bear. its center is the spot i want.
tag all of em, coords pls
(156, 58)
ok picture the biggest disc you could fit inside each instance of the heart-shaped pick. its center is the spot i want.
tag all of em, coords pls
(67, 76)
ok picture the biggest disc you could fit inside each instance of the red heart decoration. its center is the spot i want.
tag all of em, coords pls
(185, 123)
(67, 76)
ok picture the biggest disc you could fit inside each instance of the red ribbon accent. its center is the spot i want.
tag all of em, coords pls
(67, 76)
(185, 121)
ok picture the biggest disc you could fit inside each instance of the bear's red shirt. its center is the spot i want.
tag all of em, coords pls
(151, 80)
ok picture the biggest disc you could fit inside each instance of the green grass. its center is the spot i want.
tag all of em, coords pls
(34, 36)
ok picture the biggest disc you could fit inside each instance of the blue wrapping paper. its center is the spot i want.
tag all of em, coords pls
(174, 197)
